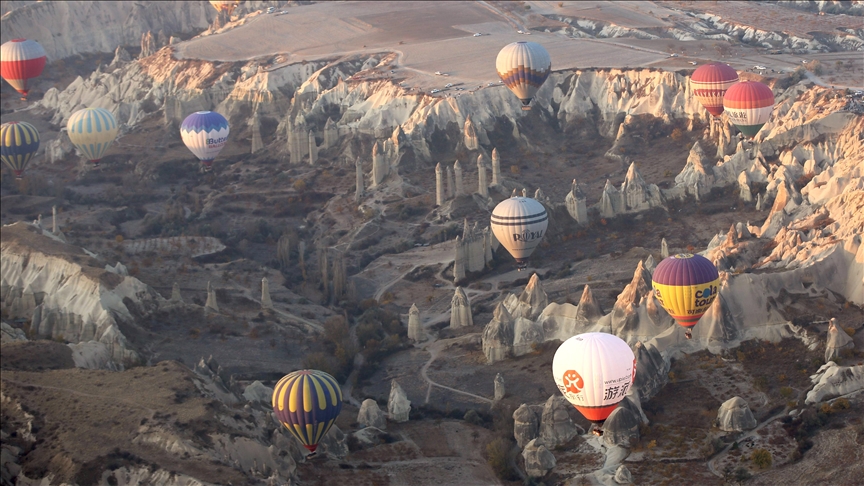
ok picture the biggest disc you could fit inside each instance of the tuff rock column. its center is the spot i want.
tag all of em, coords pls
(451, 183)
(414, 328)
(457, 170)
(211, 304)
(313, 149)
(482, 186)
(439, 185)
(496, 168)
(266, 303)
(360, 190)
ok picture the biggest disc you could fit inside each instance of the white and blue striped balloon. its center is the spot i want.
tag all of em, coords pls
(205, 133)
(92, 130)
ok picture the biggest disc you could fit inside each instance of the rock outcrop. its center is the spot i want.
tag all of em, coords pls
(538, 460)
(460, 310)
(833, 380)
(371, 416)
(415, 328)
(556, 427)
(334, 443)
(652, 370)
(576, 203)
(838, 341)
(257, 392)
(66, 292)
(526, 425)
(498, 335)
(621, 428)
(398, 405)
(735, 416)
(500, 391)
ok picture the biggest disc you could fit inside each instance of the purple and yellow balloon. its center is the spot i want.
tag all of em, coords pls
(686, 286)
(307, 403)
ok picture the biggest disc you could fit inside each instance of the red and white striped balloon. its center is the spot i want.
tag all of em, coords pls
(20, 61)
(709, 83)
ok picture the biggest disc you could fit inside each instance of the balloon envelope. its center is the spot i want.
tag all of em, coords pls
(686, 285)
(519, 224)
(748, 105)
(205, 133)
(92, 130)
(307, 403)
(523, 67)
(709, 83)
(594, 371)
(18, 142)
(20, 61)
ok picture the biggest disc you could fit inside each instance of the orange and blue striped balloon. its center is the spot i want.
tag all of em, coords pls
(307, 403)
(686, 285)
(523, 67)
(18, 142)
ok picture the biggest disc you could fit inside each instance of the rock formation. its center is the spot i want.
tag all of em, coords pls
(460, 183)
(359, 189)
(380, 165)
(664, 249)
(526, 425)
(257, 392)
(695, 171)
(538, 460)
(621, 428)
(470, 135)
(498, 335)
(610, 201)
(334, 443)
(331, 134)
(499, 387)
(530, 302)
(735, 416)
(832, 380)
(838, 341)
(474, 249)
(439, 185)
(460, 310)
(496, 168)
(589, 309)
(451, 183)
(576, 203)
(176, 298)
(415, 329)
(211, 304)
(283, 251)
(482, 185)
(652, 370)
(313, 149)
(556, 427)
(398, 405)
(371, 416)
(266, 303)
(636, 194)
(623, 475)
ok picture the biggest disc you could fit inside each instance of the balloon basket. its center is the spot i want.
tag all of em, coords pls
(311, 455)
(596, 430)
(526, 108)
(688, 334)
(520, 266)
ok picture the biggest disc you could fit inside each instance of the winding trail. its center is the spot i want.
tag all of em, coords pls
(434, 348)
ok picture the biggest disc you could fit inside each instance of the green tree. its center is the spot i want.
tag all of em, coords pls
(761, 458)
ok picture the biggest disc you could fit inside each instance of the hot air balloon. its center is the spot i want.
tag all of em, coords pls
(205, 133)
(224, 6)
(523, 66)
(710, 82)
(686, 285)
(92, 130)
(748, 105)
(18, 142)
(20, 61)
(307, 403)
(594, 371)
(519, 223)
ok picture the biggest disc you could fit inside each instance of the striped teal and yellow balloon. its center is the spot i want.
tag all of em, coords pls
(307, 403)
(92, 130)
(18, 142)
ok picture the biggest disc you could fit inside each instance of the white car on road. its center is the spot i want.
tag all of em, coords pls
(478, 34)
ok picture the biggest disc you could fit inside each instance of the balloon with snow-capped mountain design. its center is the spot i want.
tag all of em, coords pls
(205, 133)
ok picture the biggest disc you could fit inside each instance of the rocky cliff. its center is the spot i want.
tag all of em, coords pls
(67, 294)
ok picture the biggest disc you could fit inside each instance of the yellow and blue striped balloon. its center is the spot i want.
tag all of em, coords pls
(307, 403)
(92, 130)
(18, 142)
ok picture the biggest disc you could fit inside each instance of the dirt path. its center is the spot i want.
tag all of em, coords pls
(76, 392)
(434, 348)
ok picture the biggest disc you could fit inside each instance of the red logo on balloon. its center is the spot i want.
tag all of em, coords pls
(573, 383)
